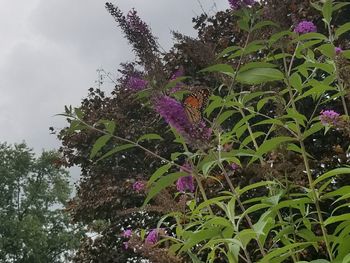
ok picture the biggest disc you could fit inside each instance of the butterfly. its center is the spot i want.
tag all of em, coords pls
(194, 104)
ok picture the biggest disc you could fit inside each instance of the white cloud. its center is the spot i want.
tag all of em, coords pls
(50, 50)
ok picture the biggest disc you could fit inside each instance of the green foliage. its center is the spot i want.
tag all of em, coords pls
(34, 191)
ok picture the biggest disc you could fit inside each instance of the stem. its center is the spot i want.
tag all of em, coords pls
(236, 195)
(305, 158)
(235, 75)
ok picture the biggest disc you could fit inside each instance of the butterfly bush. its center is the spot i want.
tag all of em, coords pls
(174, 114)
(305, 27)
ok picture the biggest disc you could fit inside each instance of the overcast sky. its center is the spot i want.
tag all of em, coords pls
(50, 50)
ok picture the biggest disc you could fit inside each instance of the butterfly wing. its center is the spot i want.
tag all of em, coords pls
(194, 104)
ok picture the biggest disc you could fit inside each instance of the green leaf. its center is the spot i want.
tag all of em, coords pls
(161, 184)
(150, 136)
(245, 236)
(327, 11)
(100, 142)
(255, 64)
(158, 173)
(223, 68)
(115, 150)
(335, 219)
(275, 37)
(341, 191)
(79, 113)
(337, 6)
(76, 125)
(256, 76)
(228, 50)
(254, 46)
(208, 166)
(270, 145)
(195, 238)
(109, 125)
(263, 24)
(281, 251)
(342, 29)
(313, 129)
(337, 171)
(327, 49)
(224, 116)
(193, 257)
(254, 186)
(249, 138)
(173, 82)
(296, 82)
(309, 36)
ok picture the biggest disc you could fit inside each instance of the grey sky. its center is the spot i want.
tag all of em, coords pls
(50, 50)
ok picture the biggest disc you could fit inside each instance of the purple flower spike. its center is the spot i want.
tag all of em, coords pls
(338, 50)
(138, 186)
(136, 84)
(185, 183)
(127, 233)
(152, 237)
(174, 114)
(305, 27)
(329, 117)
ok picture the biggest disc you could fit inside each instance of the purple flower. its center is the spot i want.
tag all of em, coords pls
(305, 27)
(237, 4)
(178, 73)
(126, 245)
(338, 50)
(185, 183)
(127, 233)
(152, 237)
(138, 186)
(234, 166)
(174, 114)
(329, 117)
(136, 84)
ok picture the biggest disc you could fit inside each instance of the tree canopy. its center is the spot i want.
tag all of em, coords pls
(34, 190)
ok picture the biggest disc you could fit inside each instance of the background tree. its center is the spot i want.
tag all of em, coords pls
(33, 224)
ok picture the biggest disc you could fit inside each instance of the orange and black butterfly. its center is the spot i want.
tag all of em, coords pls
(194, 104)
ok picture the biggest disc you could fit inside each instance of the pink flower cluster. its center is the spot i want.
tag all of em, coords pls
(329, 117)
(305, 27)
(138, 186)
